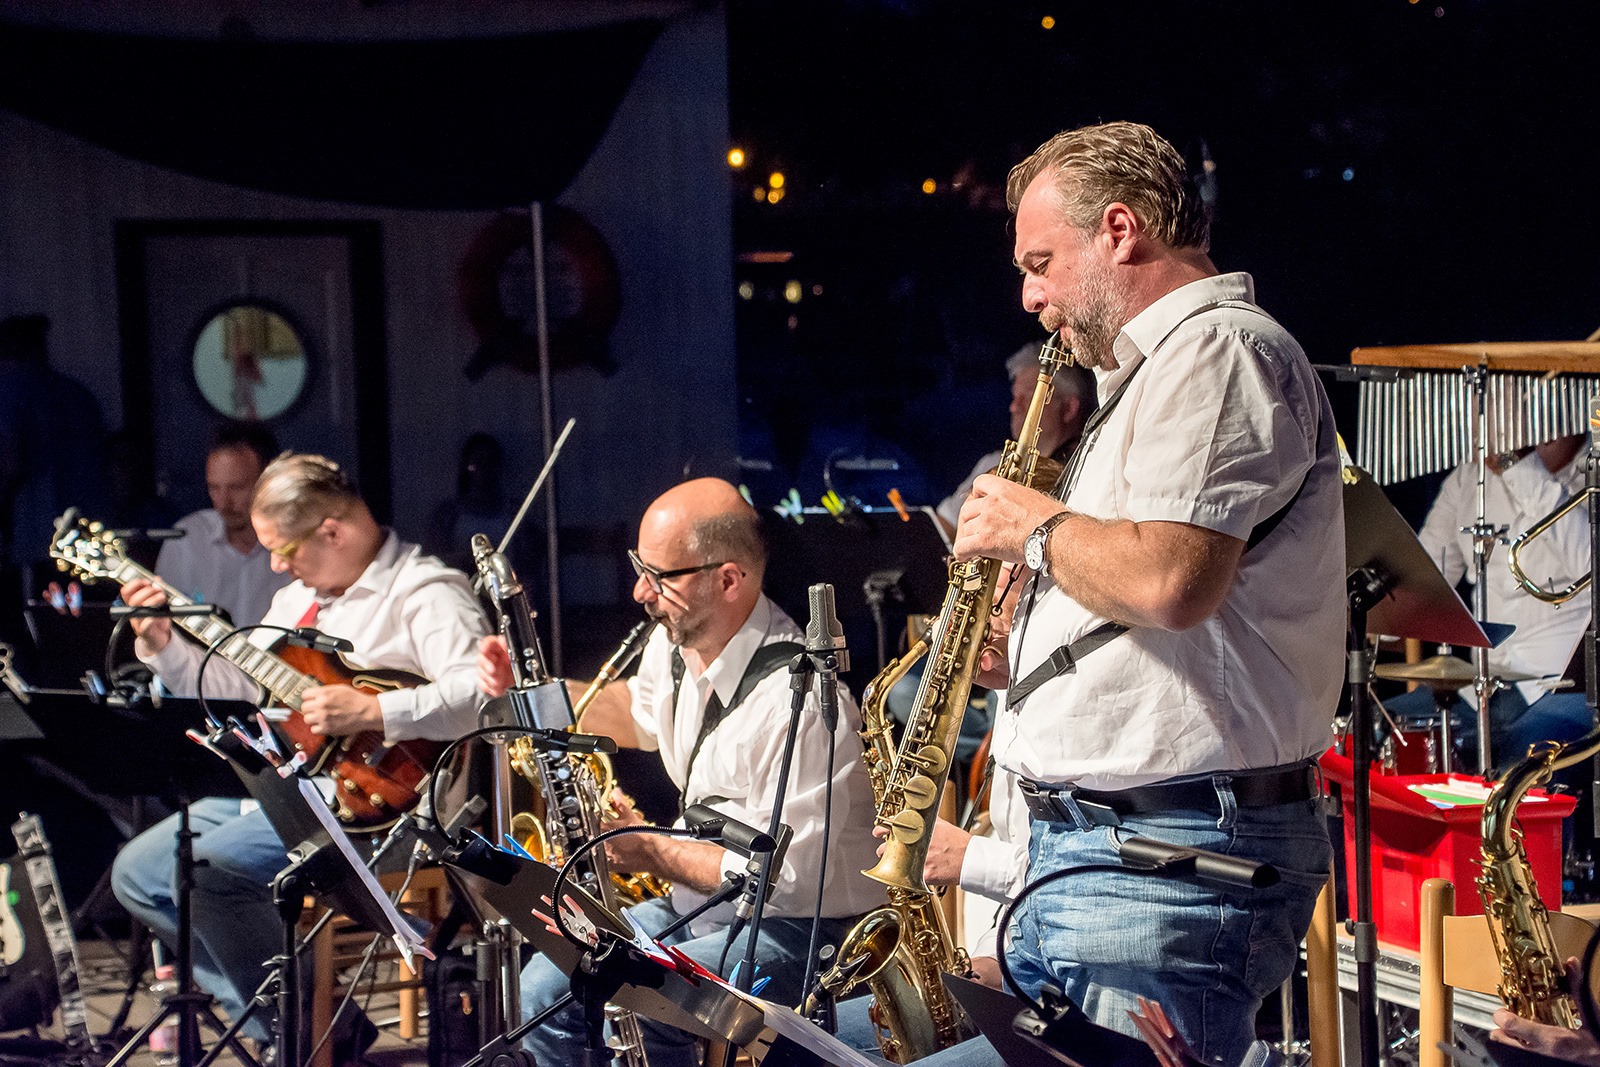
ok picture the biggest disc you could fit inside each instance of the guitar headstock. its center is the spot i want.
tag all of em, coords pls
(86, 548)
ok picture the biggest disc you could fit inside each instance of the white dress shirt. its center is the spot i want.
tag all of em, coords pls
(995, 866)
(204, 566)
(1527, 491)
(739, 762)
(1219, 431)
(406, 612)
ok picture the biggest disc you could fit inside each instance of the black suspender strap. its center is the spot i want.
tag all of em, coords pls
(763, 662)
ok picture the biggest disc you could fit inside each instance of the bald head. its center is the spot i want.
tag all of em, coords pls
(712, 522)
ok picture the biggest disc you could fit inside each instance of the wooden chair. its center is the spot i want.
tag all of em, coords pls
(1322, 981)
(1457, 953)
(339, 945)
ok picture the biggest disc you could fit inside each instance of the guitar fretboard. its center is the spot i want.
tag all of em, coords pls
(35, 852)
(283, 682)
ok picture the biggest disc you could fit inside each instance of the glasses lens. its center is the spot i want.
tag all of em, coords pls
(651, 576)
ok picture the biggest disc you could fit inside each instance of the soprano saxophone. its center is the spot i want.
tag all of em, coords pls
(1532, 972)
(901, 950)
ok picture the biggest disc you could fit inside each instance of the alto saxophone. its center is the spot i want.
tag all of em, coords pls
(902, 950)
(1532, 973)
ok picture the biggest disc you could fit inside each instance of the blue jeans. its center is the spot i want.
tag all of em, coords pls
(1209, 955)
(780, 956)
(236, 926)
(857, 1031)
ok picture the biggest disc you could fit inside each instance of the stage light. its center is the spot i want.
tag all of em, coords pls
(776, 179)
(747, 291)
(791, 291)
(774, 195)
(761, 193)
(735, 158)
(930, 186)
(1048, 22)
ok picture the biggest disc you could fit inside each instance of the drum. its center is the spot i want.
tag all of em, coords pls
(1412, 749)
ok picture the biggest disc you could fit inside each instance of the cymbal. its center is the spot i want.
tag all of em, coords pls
(1442, 672)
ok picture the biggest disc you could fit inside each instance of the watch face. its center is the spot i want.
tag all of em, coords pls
(1033, 551)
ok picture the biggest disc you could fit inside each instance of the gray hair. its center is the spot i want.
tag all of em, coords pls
(1126, 162)
(732, 536)
(1071, 380)
(298, 490)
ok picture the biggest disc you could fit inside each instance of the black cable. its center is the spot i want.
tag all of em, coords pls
(559, 889)
(1027, 891)
(450, 749)
(215, 647)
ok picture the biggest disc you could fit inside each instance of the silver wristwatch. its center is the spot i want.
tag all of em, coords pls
(1033, 549)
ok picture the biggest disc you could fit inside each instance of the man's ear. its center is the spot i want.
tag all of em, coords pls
(1122, 230)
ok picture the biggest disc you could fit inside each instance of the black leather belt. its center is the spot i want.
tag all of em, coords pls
(1251, 789)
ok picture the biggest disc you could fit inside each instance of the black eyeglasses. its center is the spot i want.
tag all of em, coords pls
(655, 577)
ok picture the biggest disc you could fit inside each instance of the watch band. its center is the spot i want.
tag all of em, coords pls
(1042, 532)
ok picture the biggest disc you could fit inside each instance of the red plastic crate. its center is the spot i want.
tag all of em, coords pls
(1413, 841)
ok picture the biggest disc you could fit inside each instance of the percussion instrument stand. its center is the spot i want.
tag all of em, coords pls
(1484, 538)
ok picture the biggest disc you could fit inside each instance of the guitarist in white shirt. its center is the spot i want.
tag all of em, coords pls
(354, 580)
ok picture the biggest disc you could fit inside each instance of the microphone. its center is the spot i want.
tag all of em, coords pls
(1207, 866)
(825, 637)
(159, 534)
(708, 824)
(317, 641)
(165, 611)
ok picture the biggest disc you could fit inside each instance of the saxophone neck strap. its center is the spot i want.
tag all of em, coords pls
(765, 660)
(1063, 660)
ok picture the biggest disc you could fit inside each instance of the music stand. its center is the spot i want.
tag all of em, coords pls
(324, 864)
(902, 560)
(675, 993)
(1394, 588)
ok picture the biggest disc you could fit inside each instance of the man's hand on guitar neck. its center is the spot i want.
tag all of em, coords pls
(152, 634)
(339, 710)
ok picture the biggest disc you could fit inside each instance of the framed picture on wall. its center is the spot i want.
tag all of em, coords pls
(279, 322)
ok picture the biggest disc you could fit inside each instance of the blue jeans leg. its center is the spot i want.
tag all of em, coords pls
(1208, 955)
(236, 928)
(780, 956)
(857, 1031)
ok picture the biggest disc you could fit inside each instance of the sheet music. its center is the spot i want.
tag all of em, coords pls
(407, 940)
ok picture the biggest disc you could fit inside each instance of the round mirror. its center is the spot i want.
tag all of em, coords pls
(249, 362)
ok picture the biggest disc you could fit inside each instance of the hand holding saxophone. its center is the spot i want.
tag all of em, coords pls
(998, 517)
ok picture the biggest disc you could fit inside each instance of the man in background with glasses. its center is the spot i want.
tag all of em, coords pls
(354, 580)
(700, 562)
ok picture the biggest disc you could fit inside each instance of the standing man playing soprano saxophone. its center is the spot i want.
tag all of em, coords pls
(700, 563)
(1199, 529)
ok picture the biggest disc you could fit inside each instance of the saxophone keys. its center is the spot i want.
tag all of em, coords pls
(920, 792)
(905, 826)
(932, 759)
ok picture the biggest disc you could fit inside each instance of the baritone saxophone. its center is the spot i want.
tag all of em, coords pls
(902, 949)
(1532, 971)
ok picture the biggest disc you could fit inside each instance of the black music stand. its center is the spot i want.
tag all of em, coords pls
(1396, 589)
(882, 567)
(322, 863)
(155, 758)
(698, 1003)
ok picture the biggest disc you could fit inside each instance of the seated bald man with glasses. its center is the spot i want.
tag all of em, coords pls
(354, 580)
(700, 563)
